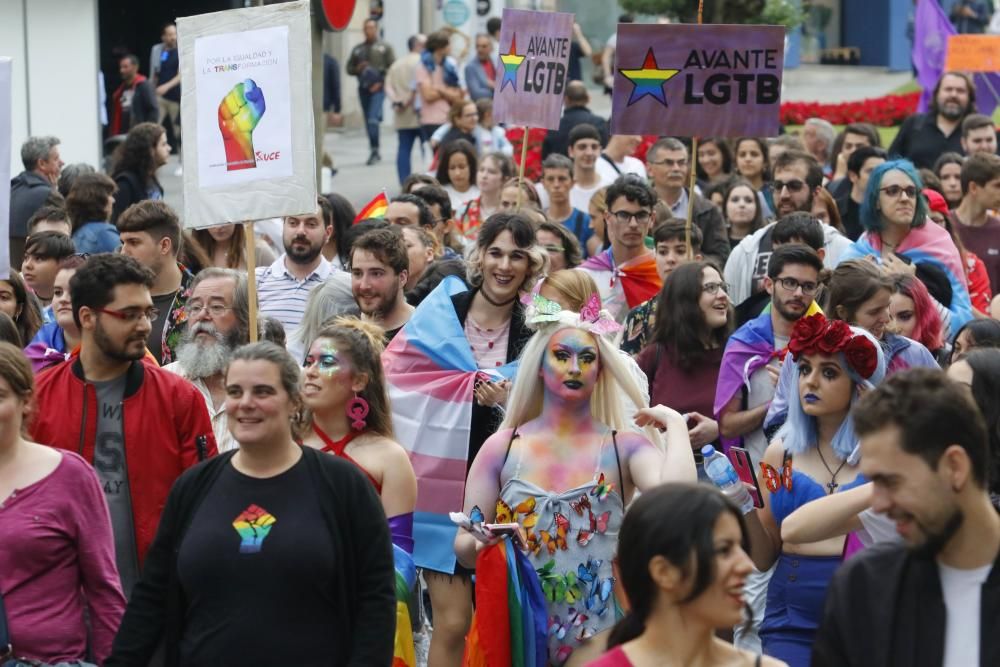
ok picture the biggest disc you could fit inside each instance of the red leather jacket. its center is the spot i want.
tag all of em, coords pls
(165, 425)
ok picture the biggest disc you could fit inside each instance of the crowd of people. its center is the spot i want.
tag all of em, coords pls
(565, 355)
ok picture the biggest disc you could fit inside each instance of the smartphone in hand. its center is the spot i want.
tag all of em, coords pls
(740, 458)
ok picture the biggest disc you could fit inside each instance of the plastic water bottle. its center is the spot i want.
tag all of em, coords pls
(723, 475)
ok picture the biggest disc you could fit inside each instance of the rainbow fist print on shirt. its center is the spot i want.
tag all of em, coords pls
(253, 524)
(239, 112)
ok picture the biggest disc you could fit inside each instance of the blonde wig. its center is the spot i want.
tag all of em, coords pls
(525, 400)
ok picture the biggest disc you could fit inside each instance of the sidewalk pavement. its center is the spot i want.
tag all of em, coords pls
(359, 183)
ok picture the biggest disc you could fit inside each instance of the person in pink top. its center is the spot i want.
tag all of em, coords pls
(682, 564)
(57, 554)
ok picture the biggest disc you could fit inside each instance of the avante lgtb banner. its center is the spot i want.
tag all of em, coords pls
(534, 63)
(697, 80)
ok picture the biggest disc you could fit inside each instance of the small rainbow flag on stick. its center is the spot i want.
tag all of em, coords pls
(376, 208)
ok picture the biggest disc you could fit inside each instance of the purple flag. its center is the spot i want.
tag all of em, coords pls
(931, 30)
(534, 65)
(697, 80)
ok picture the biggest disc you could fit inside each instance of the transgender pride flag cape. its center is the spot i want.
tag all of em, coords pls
(431, 373)
(929, 243)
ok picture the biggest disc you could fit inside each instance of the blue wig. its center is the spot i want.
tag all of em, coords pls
(871, 216)
(799, 434)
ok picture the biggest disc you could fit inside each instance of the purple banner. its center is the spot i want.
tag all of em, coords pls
(698, 80)
(532, 72)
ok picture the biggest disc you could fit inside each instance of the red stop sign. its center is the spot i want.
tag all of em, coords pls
(334, 14)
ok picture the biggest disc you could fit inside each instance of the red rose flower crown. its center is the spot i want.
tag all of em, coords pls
(817, 335)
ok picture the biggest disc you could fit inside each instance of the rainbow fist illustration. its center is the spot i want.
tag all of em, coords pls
(239, 112)
(253, 524)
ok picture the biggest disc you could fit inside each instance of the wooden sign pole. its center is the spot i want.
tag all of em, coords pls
(251, 251)
(694, 171)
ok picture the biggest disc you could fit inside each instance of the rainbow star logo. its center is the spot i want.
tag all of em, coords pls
(648, 80)
(511, 61)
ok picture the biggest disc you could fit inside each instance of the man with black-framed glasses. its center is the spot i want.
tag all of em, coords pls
(138, 425)
(797, 178)
(626, 273)
(749, 373)
(218, 322)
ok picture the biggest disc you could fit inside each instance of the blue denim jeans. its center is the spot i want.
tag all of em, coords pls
(371, 104)
(407, 137)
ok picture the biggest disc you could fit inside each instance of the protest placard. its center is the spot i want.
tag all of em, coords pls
(532, 74)
(247, 114)
(973, 53)
(697, 80)
(5, 131)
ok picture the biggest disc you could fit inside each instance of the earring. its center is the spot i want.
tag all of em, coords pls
(357, 410)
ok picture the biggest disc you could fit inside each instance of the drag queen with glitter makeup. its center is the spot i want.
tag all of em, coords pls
(343, 389)
(564, 465)
(813, 455)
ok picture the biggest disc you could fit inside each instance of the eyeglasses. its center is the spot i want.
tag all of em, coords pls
(895, 190)
(669, 163)
(794, 185)
(554, 248)
(131, 315)
(791, 284)
(713, 288)
(624, 217)
(215, 309)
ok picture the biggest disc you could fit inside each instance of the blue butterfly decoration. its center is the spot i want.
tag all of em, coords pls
(476, 516)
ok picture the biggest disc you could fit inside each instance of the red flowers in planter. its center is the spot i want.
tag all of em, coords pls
(885, 111)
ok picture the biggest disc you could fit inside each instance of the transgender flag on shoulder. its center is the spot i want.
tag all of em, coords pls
(431, 373)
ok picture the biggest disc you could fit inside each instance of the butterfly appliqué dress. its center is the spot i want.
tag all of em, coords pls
(572, 537)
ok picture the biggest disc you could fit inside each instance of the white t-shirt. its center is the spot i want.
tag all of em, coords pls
(629, 165)
(761, 391)
(962, 591)
(579, 197)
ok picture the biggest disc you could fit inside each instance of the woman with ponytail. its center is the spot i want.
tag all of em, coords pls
(682, 563)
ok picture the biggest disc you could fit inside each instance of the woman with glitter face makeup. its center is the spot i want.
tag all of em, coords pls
(564, 465)
(813, 455)
(343, 389)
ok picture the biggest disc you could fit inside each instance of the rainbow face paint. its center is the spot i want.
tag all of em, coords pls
(571, 365)
(325, 356)
(239, 113)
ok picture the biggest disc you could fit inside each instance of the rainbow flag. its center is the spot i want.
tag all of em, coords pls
(404, 654)
(376, 208)
(639, 278)
(510, 623)
(431, 373)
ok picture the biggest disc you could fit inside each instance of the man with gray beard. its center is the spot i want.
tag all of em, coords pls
(217, 324)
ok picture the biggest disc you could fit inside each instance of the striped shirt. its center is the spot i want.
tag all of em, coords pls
(283, 296)
(489, 346)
